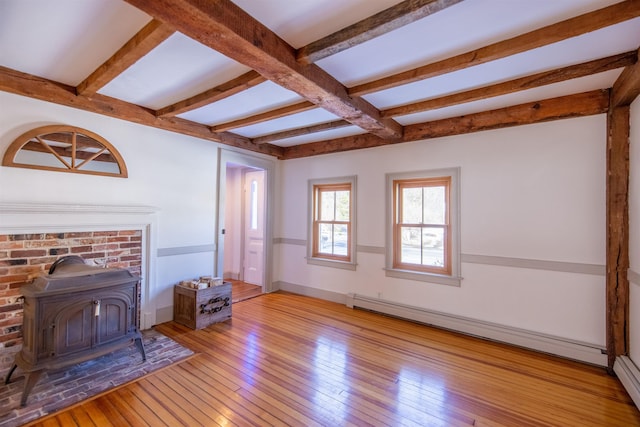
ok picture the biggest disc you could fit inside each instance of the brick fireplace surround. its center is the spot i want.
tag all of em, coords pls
(25, 256)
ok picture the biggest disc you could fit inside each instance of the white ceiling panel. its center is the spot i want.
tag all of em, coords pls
(293, 121)
(458, 29)
(301, 22)
(177, 69)
(609, 41)
(584, 84)
(260, 98)
(64, 40)
(320, 136)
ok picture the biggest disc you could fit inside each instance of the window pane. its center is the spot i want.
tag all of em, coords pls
(326, 238)
(434, 205)
(424, 226)
(411, 206)
(432, 247)
(342, 206)
(254, 205)
(422, 246)
(410, 245)
(327, 207)
(331, 236)
(340, 239)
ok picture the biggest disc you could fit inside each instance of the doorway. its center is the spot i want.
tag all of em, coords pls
(244, 239)
(253, 226)
(244, 225)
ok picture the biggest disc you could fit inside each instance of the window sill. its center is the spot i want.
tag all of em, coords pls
(332, 263)
(423, 277)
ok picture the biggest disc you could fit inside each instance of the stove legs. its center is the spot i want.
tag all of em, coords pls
(30, 380)
(141, 348)
(8, 377)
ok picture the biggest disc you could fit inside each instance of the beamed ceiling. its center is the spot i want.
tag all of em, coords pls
(297, 78)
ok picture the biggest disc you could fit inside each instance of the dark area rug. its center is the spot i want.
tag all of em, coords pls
(58, 389)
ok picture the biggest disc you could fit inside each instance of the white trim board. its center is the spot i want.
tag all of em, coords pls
(311, 292)
(633, 277)
(572, 349)
(287, 241)
(51, 208)
(184, 250)
(534, 264)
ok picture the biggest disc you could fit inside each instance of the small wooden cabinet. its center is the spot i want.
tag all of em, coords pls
(76, 313)
(199, 308)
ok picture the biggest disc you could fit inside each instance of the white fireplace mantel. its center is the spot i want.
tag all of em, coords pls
(46, 208)
(32, 218)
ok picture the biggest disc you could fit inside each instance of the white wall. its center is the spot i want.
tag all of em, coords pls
(533, 192)
(634, 234)
(174, 173)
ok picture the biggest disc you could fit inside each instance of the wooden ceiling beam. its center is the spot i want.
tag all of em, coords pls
(523, 83)
(528, 82)
(582, 104)
(225, 90)
(573, 27)
(307, 130)
(147, 39)
(578, 105)
(627, 87)
(226, 28)
(376, 25)
(265, 117)
(31, 86)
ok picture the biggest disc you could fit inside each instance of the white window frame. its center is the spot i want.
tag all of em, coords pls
(325, 262)
(454, 278)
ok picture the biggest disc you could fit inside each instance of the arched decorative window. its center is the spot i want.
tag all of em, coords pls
(65, 149)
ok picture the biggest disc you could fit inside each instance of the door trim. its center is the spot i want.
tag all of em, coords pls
(269, 166)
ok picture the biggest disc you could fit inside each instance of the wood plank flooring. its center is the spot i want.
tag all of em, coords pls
(285, 359)
(241, 291)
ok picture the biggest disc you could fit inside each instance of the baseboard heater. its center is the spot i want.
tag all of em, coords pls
(577, 350)
(629, 376)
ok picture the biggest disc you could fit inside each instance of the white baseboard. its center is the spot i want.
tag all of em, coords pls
(629, 375)
(585, 352)
(311, 292)
(164, 314)
(231, 275)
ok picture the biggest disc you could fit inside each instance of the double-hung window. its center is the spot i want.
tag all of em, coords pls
(423, 228)
(331, 224)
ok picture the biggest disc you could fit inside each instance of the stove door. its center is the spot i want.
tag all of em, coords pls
(73, 328)
(115, 318)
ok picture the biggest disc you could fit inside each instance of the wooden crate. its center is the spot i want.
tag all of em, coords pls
(199, 308)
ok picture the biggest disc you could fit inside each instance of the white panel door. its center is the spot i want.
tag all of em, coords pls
(253, 269)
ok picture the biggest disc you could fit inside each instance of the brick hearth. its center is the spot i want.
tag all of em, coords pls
(58, 389)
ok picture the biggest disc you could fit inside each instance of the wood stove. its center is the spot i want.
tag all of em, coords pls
(75, 313)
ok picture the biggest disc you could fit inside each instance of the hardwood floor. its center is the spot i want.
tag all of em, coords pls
(285, 359)
(241, 291)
